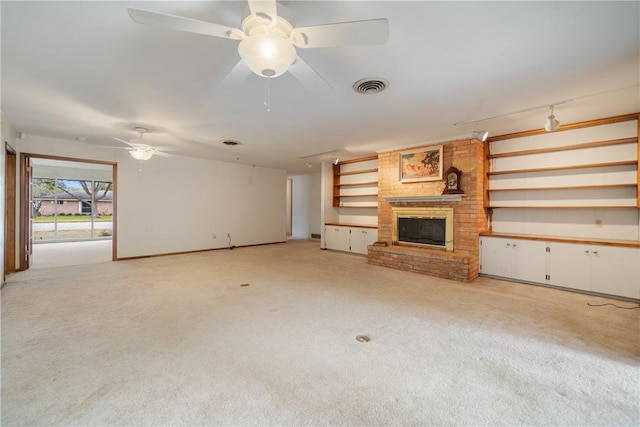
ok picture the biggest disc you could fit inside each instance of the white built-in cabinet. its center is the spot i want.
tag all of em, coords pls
(595, 268)
(349, 238)
(517, 259)
(336, 237)
(603, 269)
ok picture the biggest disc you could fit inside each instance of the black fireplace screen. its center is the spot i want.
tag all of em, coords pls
(427, 231)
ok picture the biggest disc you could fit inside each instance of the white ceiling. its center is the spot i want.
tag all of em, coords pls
(85, 69)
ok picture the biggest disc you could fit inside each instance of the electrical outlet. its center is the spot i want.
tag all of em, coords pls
(599, 223)
(213, 236)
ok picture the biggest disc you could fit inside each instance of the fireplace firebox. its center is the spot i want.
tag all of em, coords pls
(423, 227)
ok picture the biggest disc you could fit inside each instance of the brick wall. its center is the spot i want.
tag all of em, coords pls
(469, 214)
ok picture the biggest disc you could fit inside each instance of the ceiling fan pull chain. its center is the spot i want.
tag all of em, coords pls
(267, 94)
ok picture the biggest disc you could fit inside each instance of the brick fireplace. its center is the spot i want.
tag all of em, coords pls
(469, 215)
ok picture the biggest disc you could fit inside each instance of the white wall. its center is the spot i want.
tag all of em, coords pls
(169, 205)
(306, 205)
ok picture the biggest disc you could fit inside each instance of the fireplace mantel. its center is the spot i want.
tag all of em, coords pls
(438, 198)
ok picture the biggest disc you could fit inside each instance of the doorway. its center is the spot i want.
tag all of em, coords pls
(68, 211)
(9, 211)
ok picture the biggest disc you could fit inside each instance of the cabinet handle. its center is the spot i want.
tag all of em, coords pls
(514, 245)
(364, 232)
(508, 244)
(595, 252)
(586, 252)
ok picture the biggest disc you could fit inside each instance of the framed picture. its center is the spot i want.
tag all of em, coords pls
(424, 164)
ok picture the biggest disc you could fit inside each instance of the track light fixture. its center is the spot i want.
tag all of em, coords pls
(482, 135)
(552, 123)
(335, 160)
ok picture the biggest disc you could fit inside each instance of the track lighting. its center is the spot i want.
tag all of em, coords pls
(480, 134)
(334, 160)
(552, 123)
(309, 165)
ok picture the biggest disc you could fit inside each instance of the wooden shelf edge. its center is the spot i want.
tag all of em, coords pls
(357, 184)
(622, 243)
(577, 187)
(360, 160)
(570, 126)
(358, 172)
(560, 168)
(562, 207)
(580, 146)
(345, 224)
(342, 196)
(357, 207)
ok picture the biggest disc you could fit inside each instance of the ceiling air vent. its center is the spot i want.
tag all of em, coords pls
(370, 86)
(230, 142)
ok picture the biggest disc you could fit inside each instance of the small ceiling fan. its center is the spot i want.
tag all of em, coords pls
(268, 39)
(141, 151)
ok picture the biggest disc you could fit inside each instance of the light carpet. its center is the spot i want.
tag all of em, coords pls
(177, 340)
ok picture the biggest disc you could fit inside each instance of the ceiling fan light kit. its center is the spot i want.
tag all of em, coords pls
(139, 150)
(267, 54)
(141, 154)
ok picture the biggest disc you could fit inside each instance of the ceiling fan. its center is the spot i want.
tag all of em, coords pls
(141, 151)
(268, 39)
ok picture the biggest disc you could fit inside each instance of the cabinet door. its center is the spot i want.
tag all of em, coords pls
(570, 265)
(495, 256)
(336, 237)
(529, 260)
(361, 238)
(615, 271)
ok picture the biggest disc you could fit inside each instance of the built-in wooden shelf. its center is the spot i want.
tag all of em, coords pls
(559, 168)
(370, 186)
(359, 172)
(344, 224)
(359, 184)
(574, 187)
(622, 243)
(343, 196)
(565, 148)
(563, 207)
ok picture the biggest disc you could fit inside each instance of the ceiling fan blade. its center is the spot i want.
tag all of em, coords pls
(372, 31)
(265, 11)
(124, 142)
(308, 76)
(180, 23)
(237, 75)
(161, 154)
(111, 147)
